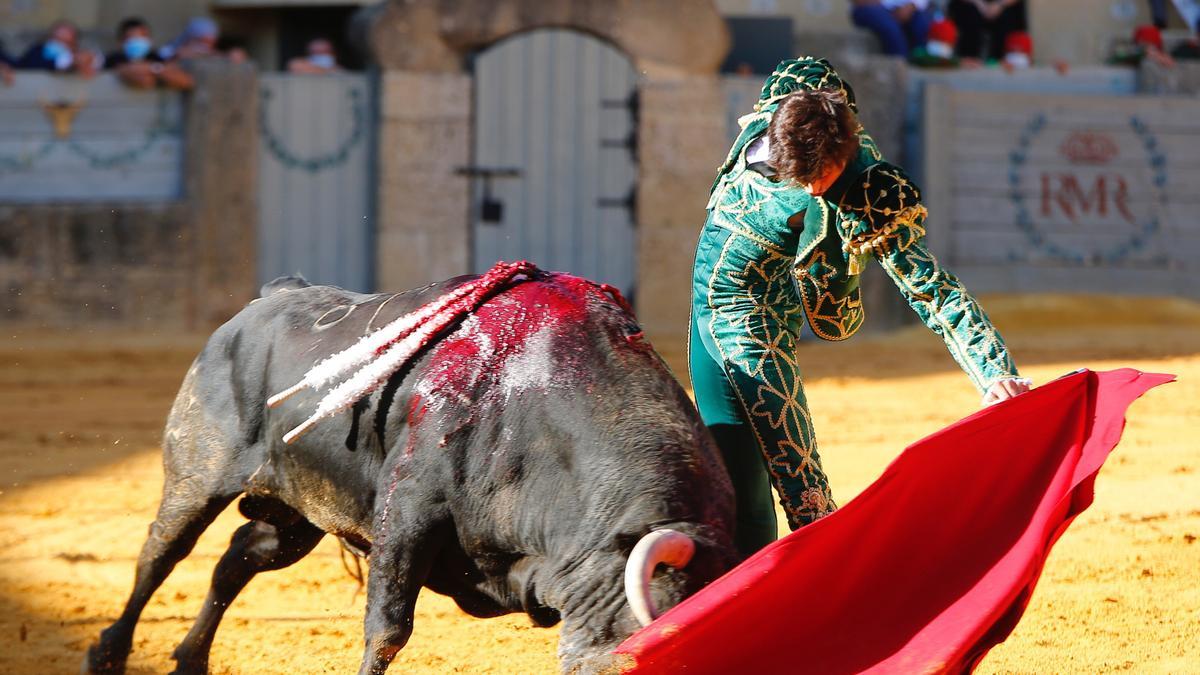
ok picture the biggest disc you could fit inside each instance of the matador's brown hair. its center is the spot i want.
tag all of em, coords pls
(810, 131)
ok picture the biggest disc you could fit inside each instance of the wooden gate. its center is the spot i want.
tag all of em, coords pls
(315, 177)
(555, 156)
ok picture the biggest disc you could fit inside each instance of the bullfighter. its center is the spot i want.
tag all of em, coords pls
(803, 200)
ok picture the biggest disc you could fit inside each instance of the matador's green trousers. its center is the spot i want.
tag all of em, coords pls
(746, 320)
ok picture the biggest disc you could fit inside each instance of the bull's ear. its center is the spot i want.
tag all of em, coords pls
(625, 541)
(639, 516)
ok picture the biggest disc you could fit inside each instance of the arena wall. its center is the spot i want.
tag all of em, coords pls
(183, 259)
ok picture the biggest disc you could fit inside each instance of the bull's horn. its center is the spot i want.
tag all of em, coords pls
(660, 546)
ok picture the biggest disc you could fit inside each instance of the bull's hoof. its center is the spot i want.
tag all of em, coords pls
(186, 664)
(100, 661)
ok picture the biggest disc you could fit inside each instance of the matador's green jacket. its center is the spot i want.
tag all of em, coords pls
(772, 258)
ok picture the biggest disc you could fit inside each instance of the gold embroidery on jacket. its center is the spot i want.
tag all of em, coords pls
(829, 317)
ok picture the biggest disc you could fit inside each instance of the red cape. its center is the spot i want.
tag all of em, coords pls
(929, 567)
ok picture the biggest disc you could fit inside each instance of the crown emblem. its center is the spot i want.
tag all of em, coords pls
(1087, 147)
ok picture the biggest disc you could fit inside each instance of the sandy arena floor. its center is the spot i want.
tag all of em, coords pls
(80, 479)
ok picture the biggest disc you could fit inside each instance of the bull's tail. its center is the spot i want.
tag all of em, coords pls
(378, 355)
(356, 556)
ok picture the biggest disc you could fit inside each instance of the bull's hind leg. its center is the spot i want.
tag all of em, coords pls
(399, 566)
(256, 547)
(183, 515)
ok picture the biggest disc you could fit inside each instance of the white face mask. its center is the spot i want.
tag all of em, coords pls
(322, 60)
(942, 50)
(1018, 59)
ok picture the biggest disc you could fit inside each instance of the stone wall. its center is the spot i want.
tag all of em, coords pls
(425, 137)
(63, 266)
(186, 264)
(880, 86)
(221, 183)
(683, 140)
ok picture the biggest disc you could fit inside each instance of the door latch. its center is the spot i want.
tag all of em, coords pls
(491, 210)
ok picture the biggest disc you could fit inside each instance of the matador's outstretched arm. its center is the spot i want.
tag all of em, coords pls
(882, 215)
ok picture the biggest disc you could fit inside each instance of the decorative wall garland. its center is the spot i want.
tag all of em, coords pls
(157, 132)
(317, 163)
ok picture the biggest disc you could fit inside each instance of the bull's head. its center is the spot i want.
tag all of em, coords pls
(579, 650)
(664, 567)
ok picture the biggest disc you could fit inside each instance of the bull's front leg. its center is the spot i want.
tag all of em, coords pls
(399, 565)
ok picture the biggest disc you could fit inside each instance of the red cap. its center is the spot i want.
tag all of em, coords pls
(1148, 35)
(944, 30)
(1018, 41)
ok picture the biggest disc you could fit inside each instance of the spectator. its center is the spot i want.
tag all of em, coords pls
(1149, 40)
(900, 25)
(60, 52)
(137, 64)
(1018, 51)
(984, 26)
(1147, 43)
(319, 58)
(199, 40)
(938, 51)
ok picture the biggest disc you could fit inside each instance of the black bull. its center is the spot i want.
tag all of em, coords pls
(512, 465)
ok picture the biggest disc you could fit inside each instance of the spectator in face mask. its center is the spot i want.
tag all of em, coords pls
(133, 35)
(938, 52)
(60, 52)
(319, 58)
(139, 65)
(1018, 51)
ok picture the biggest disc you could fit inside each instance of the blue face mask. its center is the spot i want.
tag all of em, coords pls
(322, 60)
(137, 48)
(57, 52)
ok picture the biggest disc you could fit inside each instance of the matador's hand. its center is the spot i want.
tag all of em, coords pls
(1002, 390)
